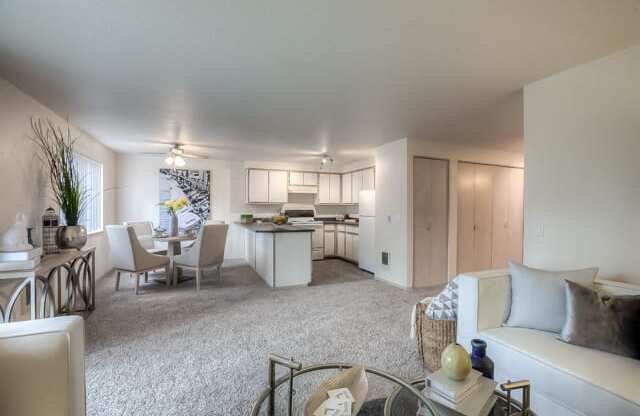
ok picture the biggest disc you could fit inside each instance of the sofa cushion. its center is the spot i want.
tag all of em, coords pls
(584, 380)
(604, 322)
(538, 298)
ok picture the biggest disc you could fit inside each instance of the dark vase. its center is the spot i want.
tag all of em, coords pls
(479, 359)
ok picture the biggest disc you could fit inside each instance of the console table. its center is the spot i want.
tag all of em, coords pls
(74, 274)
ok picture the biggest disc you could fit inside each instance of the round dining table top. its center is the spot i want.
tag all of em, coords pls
(170, 239)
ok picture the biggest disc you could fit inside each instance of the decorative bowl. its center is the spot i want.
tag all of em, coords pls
(279, 219)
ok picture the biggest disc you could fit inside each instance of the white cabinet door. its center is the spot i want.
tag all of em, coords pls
(340, 243)
(317, 237)
(258, 186)
(310, 179)
(348, 246)
(324, 188)
(329, 243)
(356, 247)
(278, 192)
(296, 178)
(368, 179)
(356, 186)
(346, 188)
(334, 189)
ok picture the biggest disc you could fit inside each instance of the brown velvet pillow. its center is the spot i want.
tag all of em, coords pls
(606, 323)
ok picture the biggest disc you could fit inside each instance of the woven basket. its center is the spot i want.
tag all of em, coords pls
(432, 336)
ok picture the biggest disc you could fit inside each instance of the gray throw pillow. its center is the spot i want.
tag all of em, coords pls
(606, 323)
(537, 296)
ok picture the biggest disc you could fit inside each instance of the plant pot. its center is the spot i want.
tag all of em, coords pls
(71, 237)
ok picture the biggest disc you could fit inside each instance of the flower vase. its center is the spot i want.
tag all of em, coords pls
(173, 231)
(479, 360)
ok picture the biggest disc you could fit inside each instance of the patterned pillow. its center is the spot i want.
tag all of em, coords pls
(444, 306)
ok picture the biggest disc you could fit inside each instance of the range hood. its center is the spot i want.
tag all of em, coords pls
(303, 189)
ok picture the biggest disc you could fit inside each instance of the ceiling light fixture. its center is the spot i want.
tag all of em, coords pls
(326, 160)
(169, 160)
(179, 161)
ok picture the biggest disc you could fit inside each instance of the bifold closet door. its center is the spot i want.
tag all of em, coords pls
(430, 221)
(490, 215)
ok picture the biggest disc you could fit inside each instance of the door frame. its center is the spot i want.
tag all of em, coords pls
(413, 213)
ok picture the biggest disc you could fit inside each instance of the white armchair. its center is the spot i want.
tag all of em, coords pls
(127, 255)
(42, 367)
(205, 253)
(144, 231)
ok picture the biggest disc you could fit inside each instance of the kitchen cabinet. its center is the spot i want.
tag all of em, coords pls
(278, 189)
(351, 243)
(368, 179)
(267, 186)
(430, 222)
(356, 186)
(310, 179)
(346, 188)
(490, 216)
(340, 240)
(296, 178)
(329, 191)
(329, 240)
(303, 178)
(258, 186)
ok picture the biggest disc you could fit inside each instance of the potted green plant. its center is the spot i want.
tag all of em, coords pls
(56, 151)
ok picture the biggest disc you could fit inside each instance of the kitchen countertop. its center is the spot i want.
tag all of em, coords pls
(274, 228)
(339, 222)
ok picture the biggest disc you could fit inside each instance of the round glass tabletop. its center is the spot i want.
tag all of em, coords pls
(403, 402)
(308, 380)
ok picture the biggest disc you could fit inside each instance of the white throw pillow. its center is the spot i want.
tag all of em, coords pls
(444, 306)
(538, 297)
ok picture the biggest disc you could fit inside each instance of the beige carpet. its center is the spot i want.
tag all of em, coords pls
(172, 351)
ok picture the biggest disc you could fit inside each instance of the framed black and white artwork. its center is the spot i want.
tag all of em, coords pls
(192, 184)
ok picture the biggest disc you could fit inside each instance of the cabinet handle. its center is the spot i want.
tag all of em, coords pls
(429, 226)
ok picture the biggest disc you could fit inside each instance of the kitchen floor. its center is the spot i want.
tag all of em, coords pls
(332, 271)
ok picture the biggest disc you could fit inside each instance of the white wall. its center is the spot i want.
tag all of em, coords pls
(394, 197)
(138, 181)
(582, 168)
(391, 211)
(25, 184)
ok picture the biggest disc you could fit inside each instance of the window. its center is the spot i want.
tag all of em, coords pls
(91, 173)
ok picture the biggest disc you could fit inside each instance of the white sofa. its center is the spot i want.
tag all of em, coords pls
(565, 379)
(42, 367)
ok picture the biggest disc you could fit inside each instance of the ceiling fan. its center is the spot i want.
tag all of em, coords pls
(176, 155)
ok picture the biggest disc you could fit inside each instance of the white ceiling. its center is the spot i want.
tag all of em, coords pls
(291, 79)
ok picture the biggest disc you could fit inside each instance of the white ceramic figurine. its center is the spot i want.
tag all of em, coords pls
(15, 238)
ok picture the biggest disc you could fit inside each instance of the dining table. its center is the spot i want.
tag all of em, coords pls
(174, 248)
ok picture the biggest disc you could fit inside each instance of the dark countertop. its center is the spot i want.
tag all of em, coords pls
(273, 228)
(339, 222)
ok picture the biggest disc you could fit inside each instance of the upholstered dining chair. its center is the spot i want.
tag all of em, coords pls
(128, 255)
(144, 231)
(207, 252)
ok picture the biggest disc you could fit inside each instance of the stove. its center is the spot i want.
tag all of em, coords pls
(301, 215)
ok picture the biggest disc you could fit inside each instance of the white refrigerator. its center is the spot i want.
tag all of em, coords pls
(366, 230)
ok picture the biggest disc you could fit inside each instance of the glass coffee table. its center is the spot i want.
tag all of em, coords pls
(403, 402)
(387, 394)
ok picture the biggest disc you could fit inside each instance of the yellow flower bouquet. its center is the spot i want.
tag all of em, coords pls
(175, 205)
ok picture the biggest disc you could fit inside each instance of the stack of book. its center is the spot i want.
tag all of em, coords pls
(20, 260)
(472, 396)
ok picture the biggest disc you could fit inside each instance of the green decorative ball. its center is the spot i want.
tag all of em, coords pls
(455, 362)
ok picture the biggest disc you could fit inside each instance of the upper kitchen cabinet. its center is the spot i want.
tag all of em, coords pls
(303, 178)
(356, 186)
(267, 186)
(329, 188)
(368, 179)
(346, 188)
